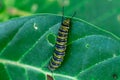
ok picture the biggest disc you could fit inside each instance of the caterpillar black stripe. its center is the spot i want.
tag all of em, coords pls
(60, 46)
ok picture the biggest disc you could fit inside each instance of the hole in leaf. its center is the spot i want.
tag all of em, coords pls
(87, 45)
(115, 76)
(51, 38)
(49, 77)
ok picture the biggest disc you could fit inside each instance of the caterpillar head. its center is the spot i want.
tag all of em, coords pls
(67, 22)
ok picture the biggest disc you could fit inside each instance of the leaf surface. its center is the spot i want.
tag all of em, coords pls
(27, 44)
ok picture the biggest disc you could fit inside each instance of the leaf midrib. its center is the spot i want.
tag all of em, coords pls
(25, 66)
(4, 61)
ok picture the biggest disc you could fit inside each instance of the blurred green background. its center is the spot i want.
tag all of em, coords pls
(103, 13)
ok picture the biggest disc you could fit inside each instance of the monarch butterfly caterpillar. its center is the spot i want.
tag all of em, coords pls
(60, 46)
(61, 42)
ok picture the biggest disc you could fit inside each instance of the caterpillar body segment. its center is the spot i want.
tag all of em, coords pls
(60, 46)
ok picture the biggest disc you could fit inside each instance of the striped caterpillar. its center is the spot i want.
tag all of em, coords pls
(60, 46)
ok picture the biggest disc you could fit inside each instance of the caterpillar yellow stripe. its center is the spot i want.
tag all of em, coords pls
(60, 46)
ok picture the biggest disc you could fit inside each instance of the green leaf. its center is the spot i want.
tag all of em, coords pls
(27, 44)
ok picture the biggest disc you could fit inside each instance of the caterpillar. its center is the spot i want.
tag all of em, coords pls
(60, 46)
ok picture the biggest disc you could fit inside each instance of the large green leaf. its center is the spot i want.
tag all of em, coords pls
(27, 44)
